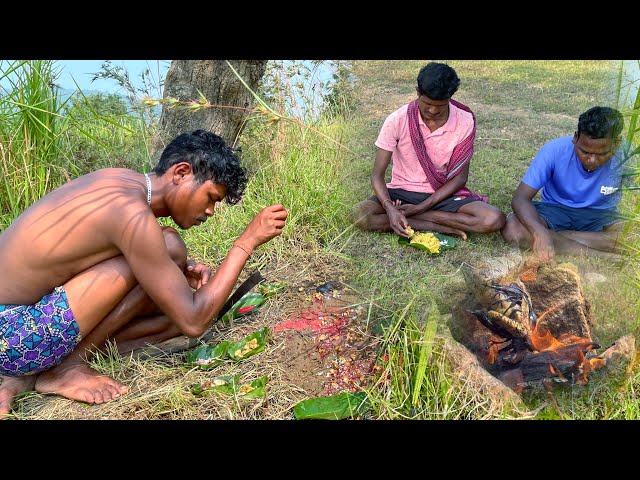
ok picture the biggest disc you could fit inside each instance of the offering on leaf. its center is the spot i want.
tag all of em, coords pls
(433, 243)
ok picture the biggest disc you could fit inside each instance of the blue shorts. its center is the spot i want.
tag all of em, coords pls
(35, 338)
(560, 217)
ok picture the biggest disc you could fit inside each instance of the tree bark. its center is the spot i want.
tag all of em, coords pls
(220, 86)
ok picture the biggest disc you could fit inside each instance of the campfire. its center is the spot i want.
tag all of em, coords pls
(531, 326)
(521, 350)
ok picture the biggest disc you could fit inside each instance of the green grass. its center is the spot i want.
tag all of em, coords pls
(519, 105)
(292, 165)
(45, 141)
(416, 379)
(298, 165)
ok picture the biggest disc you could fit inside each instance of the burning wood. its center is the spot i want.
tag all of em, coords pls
(509, 313)
(521, 349)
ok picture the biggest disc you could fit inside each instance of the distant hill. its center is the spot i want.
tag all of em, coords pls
(67, 92)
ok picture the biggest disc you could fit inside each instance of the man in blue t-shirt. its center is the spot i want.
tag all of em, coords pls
(581, 179)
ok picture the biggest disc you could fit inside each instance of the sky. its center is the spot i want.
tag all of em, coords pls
(312, 81)
(82, 72)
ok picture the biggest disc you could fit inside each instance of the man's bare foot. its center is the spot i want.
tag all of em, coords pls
(461, 234)
(79, 382)
(10, 387)
(452, 231)
(446, 230)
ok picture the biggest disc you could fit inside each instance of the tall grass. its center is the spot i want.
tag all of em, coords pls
(45, 140)
(100, 140)
(31, 135)
(296, 159)
(628, 102)
(416, 380)
(145, 120)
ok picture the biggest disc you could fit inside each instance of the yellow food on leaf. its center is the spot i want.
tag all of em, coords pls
(250, 345)
(429, 240)
(246, 389)
(410, 231)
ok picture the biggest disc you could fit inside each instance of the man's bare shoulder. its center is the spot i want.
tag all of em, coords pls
(103, 198)
(116, 193)
(115, 175)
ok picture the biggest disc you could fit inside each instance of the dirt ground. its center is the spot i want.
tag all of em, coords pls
(324, 350)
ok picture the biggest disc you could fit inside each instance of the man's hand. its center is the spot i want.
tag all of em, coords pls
(266, 225)
(197, 274)
(409, 210)
(543, 246)
(398, 221)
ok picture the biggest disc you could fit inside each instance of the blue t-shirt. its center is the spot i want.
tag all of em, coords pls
(558, 171)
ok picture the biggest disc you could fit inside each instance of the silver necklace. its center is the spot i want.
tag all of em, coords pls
(148, 188)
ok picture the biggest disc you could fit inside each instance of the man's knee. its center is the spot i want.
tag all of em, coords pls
(493, 221)
(514, 232)
(176, 246)
(361, 216)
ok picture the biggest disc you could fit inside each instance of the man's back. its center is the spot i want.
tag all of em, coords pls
(70, 229)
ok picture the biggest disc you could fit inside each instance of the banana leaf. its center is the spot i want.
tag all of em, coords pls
(254, 389)
(221, 384)
(333, 407)
(446, 243)
(206, 357)
(228, 384)
(248, 346)
(247, 304)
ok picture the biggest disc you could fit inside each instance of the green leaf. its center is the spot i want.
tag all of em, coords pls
(220, 384)
(270, 289)
(249, 346)
(229, 385)
(207, 356)
(247, 304)
(333, 407)
(446, 243)
(254, 389)
(426, 348)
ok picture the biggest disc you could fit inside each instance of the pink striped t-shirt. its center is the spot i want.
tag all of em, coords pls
(406, 171)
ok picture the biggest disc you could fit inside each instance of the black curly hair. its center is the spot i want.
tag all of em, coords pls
(438, 81)
(601, 122)
(210, 159)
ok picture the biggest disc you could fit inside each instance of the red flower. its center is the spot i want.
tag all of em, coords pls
(246, 309)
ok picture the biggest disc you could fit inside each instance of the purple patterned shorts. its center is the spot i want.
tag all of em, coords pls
(35, 338)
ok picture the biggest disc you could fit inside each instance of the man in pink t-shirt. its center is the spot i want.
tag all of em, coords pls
(430, 142)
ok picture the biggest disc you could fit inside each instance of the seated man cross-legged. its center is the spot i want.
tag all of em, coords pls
(580, 177)
(431, 142)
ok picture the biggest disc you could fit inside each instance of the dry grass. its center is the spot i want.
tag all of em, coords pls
(159, 387)
(518, 107)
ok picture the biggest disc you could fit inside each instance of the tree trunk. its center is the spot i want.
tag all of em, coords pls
(220, 86)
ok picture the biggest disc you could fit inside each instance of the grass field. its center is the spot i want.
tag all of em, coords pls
(519, 105)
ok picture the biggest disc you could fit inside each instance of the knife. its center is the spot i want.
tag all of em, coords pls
(254, 279)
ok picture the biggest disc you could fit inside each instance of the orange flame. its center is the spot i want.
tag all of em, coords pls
(497, 344)
(567, 347)
(547, 311)
(529, 276)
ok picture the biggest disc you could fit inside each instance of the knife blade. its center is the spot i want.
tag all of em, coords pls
(254, 279)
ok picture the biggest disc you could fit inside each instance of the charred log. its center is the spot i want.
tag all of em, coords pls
(564, 364)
